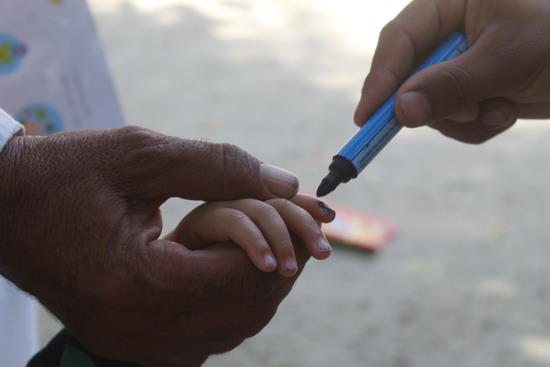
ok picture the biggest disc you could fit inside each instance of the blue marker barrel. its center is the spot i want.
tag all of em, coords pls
(380, 128)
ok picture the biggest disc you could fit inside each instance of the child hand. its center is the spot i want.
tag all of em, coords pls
(262, 229)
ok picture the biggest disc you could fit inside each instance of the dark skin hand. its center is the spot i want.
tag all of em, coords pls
(80, 226)
(503, 76)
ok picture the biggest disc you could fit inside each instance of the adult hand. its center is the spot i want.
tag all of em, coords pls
(504, 75)
(79, 229)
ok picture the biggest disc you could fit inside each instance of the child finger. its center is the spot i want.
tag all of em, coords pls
(274, 230)
(302, 224)
(244, 231)
(214, 223)
(315, 207)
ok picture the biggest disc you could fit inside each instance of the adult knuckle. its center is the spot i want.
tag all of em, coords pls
(139, 138)
(235, 163)
(133, 133)
(220, 165)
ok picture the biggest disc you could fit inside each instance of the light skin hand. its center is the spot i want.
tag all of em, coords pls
(262, 229)
(79, 229)
(504, 74)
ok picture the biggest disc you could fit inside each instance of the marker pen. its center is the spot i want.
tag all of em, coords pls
(380, 128)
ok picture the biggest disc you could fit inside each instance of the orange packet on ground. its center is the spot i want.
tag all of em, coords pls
(359, 229)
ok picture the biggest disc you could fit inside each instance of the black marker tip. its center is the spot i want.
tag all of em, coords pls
(329, 183)
(324, 188)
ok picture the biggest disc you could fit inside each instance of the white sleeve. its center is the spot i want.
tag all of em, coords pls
(19, 320)
(18, 314)
(8, 128)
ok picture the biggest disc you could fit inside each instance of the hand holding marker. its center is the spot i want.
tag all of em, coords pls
(380, 128)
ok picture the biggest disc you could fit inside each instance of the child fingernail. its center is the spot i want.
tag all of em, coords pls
(270, 261)
(327, 209)
(291, 266)
(323, 245)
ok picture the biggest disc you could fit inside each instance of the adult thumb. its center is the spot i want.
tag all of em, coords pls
(443, 90)
(160, 167)
(210, 171)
